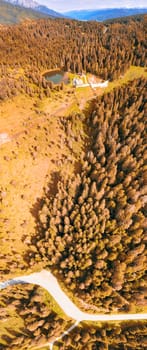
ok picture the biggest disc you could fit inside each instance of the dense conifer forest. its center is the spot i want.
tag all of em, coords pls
(40, 323)
(93, 230)
(90, 225)
(106, 50)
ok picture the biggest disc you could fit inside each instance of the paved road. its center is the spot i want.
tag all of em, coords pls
(46, 280)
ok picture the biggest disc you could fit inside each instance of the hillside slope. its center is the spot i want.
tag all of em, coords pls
(10, 14)
(34, 5)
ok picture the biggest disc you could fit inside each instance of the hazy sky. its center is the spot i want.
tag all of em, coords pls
(65, 5)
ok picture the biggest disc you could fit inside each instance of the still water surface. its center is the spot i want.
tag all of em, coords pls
(57, 77)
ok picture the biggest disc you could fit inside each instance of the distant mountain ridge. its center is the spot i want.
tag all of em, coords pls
(34, 5)
(104, 14)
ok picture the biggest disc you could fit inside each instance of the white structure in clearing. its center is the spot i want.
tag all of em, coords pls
(101, 85)
(77, 82)
(4, 138)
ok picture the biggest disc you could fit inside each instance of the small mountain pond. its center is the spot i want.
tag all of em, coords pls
(57, 77)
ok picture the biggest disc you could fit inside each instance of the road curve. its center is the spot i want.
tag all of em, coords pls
(46, 280)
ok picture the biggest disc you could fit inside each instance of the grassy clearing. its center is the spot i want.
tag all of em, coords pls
(132, 73)
(88, 93)
(37, 150)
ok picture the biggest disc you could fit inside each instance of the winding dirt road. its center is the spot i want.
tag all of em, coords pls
(46, 280)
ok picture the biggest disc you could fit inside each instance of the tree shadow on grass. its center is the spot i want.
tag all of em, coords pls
(49, 192)
(53, 184)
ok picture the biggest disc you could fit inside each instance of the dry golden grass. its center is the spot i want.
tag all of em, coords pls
(37, 149)
(132, 73)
